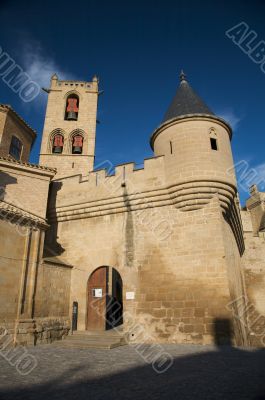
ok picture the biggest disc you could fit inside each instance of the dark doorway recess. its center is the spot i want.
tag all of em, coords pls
(104, 299)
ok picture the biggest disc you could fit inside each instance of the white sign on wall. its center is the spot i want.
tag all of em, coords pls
(97, 292)
(130, 295)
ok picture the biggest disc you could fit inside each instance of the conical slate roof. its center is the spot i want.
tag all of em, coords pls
(186, 101)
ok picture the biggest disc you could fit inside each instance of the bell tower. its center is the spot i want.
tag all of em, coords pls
(68, 141)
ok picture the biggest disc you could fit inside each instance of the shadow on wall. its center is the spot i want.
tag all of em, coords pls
(129, 230)
(5, 180)
(51, 246)
(234, 220)
(223, 332)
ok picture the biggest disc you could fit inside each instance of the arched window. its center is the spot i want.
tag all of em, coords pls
(57, 143)
(71, 108)
(15, 149)
(77, 144)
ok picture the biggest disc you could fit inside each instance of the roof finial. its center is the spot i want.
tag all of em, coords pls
(182, 76)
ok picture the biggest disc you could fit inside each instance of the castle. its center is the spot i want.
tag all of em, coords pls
(165, 249)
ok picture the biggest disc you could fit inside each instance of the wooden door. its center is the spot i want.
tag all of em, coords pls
(97, 290)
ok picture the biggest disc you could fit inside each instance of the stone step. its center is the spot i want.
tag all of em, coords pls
(88, 338)
(93, 339)
(92, 344)
(109, 333)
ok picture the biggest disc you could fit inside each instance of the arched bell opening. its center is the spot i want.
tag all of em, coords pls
(104, 299)
(57, 143)
(77, 144)
(72, 108)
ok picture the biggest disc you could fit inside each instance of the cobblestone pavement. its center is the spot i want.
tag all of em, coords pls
(198, 372)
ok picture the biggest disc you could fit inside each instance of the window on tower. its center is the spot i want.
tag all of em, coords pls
(77, 144)
(213, 144)
(71, 108)
(15, 149)
(57, 144)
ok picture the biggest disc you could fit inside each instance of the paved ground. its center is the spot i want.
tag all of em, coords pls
(198, 372)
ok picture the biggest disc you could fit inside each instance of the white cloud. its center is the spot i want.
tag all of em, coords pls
(229, 116)
(40, 67)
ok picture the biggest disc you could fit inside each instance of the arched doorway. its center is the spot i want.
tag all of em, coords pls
(104, 299)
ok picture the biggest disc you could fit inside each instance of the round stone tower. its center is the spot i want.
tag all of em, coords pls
(207, 241)
(197, 151)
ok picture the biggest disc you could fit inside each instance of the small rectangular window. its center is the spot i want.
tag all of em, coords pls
(15, 148)
(213, 144)
(171, 149)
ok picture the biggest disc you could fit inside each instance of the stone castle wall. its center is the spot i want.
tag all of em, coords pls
(52, 302)
(53, 285)
(182, 280)
(180, 256)
(11, 265)
(253, 266)
(23, 223)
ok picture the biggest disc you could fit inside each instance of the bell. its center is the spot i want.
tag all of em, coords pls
(77, 150)
(57, 149)
(71, 116)
(77, 144)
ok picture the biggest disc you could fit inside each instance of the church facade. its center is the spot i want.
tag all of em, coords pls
(163, 253)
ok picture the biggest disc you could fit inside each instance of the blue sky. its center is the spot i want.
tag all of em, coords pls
(137, 49)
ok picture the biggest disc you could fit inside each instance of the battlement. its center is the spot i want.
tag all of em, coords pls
(126, 174)
(100, 186)
(73, 84)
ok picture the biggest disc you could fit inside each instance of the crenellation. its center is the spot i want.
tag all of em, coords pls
(98, 184)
